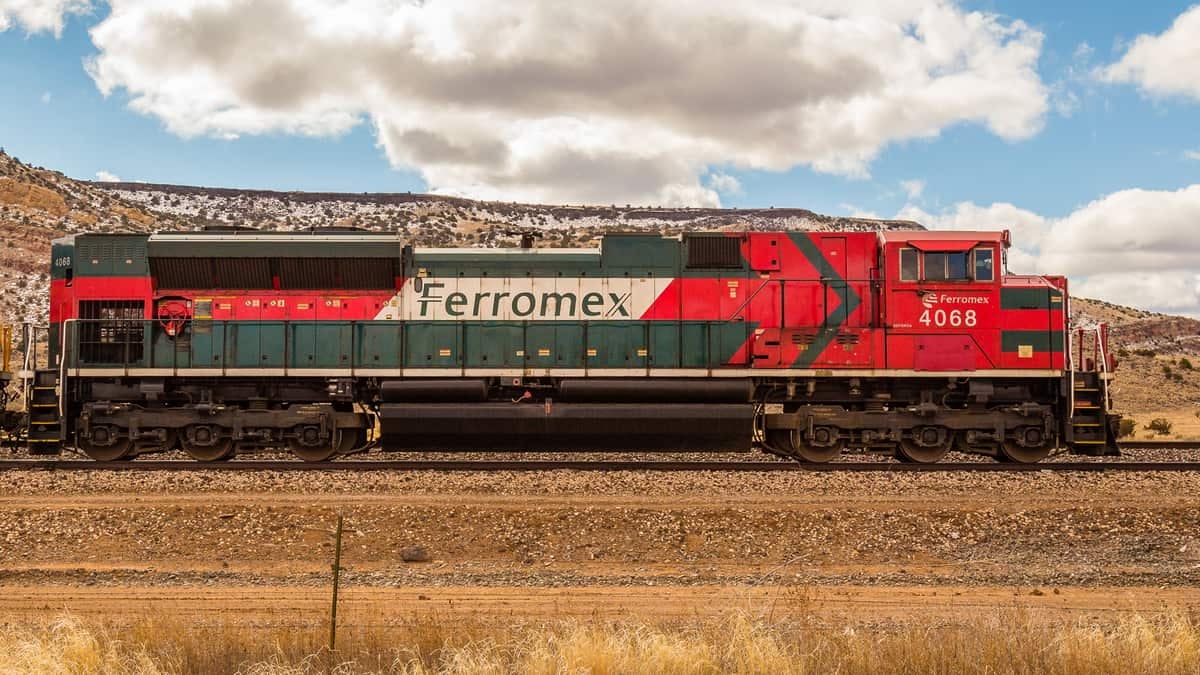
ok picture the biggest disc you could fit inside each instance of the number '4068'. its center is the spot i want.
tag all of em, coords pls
(953, 318)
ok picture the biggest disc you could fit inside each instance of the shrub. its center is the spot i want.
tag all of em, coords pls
(1128, 426)
(1160, 426)
(1184, 364)
(1122, 352)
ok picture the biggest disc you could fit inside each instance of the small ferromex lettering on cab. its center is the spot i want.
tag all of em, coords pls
(945, 310)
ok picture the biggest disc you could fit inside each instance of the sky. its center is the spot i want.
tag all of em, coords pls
(1074, 124)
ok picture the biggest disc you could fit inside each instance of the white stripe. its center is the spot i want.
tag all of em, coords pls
(517, 299)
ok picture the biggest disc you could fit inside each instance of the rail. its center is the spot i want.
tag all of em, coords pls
(461, 466)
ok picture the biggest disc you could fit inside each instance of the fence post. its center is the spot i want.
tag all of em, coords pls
(337, 570)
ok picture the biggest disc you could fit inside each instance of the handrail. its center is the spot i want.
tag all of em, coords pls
(5, 347)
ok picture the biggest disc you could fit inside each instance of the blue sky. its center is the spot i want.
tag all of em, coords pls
(1076, 124)
(1116, 139)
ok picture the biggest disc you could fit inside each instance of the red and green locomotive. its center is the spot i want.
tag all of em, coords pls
(328, 342)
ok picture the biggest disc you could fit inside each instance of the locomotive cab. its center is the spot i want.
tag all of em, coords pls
(942, 300)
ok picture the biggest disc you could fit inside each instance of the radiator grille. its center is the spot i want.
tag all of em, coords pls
(111, 331)
(710, 251)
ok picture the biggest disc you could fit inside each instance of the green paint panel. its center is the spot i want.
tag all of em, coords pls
(208, 339)
(377, 344)
(639, 251)
(110, 255)
(271, 344)
(302, 345)
(168, 353)
(1028, 298)
(664, 345)
(62, 258)
(334, 344)
(494, 344)
(696, 346)
(553, 345)
(438, 344)
(617, 344)
(433, 344)
(1040, 340)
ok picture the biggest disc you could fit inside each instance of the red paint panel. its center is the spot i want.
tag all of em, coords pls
(944, 353)
(766, 252)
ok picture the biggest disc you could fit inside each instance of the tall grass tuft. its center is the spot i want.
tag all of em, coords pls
(1009, 642)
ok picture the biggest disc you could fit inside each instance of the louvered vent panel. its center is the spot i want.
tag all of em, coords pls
(307, 274)
(182, 273)
(242, 273)
(714, 252)
(366, 273)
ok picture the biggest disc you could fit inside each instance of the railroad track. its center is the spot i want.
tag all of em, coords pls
(584, 465)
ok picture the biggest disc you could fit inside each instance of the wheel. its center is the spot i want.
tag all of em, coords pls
(345, 441)
(204, 444)
(1021, 455)
(106, 445)
(1034, 449)
(908, 451)
(938, 442)
(790, 443)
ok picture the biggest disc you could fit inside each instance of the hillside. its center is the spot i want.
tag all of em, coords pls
(1157, 374)
(435, 220)
(37, 205)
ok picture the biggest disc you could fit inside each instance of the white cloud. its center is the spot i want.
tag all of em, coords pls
(106, 177)
(39, 16)
(1167, 64)
(46, 96)
(539, 100)
(725, 184)
(1134, 247)
(913, 188)
(1192, 155)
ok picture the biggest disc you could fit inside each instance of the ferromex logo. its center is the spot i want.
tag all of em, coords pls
(930, 300)
(524, 298)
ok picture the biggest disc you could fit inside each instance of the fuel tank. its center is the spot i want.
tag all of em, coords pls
(566, 426)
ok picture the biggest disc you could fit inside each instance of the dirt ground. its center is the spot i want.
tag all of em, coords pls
(861, 548)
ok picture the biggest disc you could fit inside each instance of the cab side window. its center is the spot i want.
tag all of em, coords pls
(984, 267)
(909, 270)
(947, 266)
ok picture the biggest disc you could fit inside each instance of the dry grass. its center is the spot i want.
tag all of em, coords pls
(1008, 643)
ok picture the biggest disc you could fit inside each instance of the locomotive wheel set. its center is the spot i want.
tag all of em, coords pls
(327, 343)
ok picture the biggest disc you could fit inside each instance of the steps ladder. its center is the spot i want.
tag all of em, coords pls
(1091, 431)
(45, 425)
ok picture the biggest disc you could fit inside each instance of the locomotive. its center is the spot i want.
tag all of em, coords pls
(327, 342)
